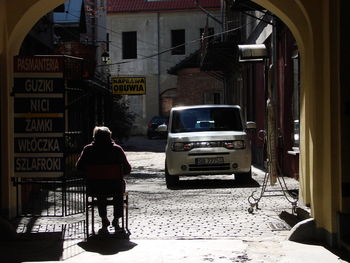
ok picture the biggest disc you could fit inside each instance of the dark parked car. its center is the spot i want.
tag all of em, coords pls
(157, 127)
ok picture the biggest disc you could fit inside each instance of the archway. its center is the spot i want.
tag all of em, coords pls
(298, 23)
(313, 25)
(17, 18)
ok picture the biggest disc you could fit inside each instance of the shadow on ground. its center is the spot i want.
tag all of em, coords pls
(307, 231)
(146, 174)
(213, 183)
(32, 247)
(107, 245)
(294, 218)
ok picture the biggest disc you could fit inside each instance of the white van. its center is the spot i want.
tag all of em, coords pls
(207, 139)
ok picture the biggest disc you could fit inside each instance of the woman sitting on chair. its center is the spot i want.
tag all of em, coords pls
(104, 151)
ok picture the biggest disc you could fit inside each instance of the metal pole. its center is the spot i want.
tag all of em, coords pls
(158, 63)
(271, 111)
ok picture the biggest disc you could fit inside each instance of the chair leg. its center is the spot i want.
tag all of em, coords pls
(123, 214)
(91, 205)
(87, 217)
(123, 220)
(126, 212)
(93, 216)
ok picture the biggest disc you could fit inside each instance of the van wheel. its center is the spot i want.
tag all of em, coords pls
(243, 177)
(170, 180)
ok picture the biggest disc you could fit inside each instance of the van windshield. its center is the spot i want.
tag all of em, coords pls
(206, 119)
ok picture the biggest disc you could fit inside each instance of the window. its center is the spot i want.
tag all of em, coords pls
(178, 41)
(129, 42)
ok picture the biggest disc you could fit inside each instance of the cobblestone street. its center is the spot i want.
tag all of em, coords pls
(200, 210)
(201, 207)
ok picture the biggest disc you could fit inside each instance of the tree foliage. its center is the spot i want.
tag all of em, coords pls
(122, 119)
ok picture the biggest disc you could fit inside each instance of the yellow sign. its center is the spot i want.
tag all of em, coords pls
(129, 85)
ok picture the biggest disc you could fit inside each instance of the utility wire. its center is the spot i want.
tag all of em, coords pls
(118, 33)
(172, 48)
(89, 35)
(112, 31)
(166, 50)
(143, 56)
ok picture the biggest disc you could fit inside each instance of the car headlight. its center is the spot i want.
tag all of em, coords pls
(234, 144)
(181, 146)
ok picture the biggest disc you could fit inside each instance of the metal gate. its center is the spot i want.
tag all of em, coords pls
(50, 197)
(85, 105)
(64, 195)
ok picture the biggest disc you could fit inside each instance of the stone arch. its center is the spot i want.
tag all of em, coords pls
(17, 18)
(294, 15)
(27, 16)
(314, 25)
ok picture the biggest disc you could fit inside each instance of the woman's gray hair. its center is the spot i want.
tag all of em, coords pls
(102, 134)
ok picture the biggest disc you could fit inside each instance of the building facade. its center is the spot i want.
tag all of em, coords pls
(149, 37)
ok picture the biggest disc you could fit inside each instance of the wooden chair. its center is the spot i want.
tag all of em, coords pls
(100, 181)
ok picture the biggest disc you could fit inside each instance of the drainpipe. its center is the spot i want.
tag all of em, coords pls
(224, 80)
(274, 59)
(222, 5)
(271, 110)
(158, 63)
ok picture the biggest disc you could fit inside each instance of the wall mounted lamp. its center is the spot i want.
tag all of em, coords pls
(252, 53)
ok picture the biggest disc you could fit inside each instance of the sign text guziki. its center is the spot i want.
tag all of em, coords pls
(129, 85)
(39, 116)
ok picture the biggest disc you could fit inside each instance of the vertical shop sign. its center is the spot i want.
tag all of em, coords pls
(38, 116)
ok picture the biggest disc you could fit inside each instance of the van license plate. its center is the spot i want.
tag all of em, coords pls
(209, 161)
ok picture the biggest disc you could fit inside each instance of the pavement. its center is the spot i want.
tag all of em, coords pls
(158, 251)
(202, 221)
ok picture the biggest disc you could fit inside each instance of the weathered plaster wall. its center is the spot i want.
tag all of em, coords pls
(13, 29)
(314, 25)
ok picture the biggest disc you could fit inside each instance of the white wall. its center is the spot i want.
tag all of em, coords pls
(146, 25)
(100, 31)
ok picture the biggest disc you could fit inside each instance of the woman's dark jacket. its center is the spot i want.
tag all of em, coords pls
(99, 154)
